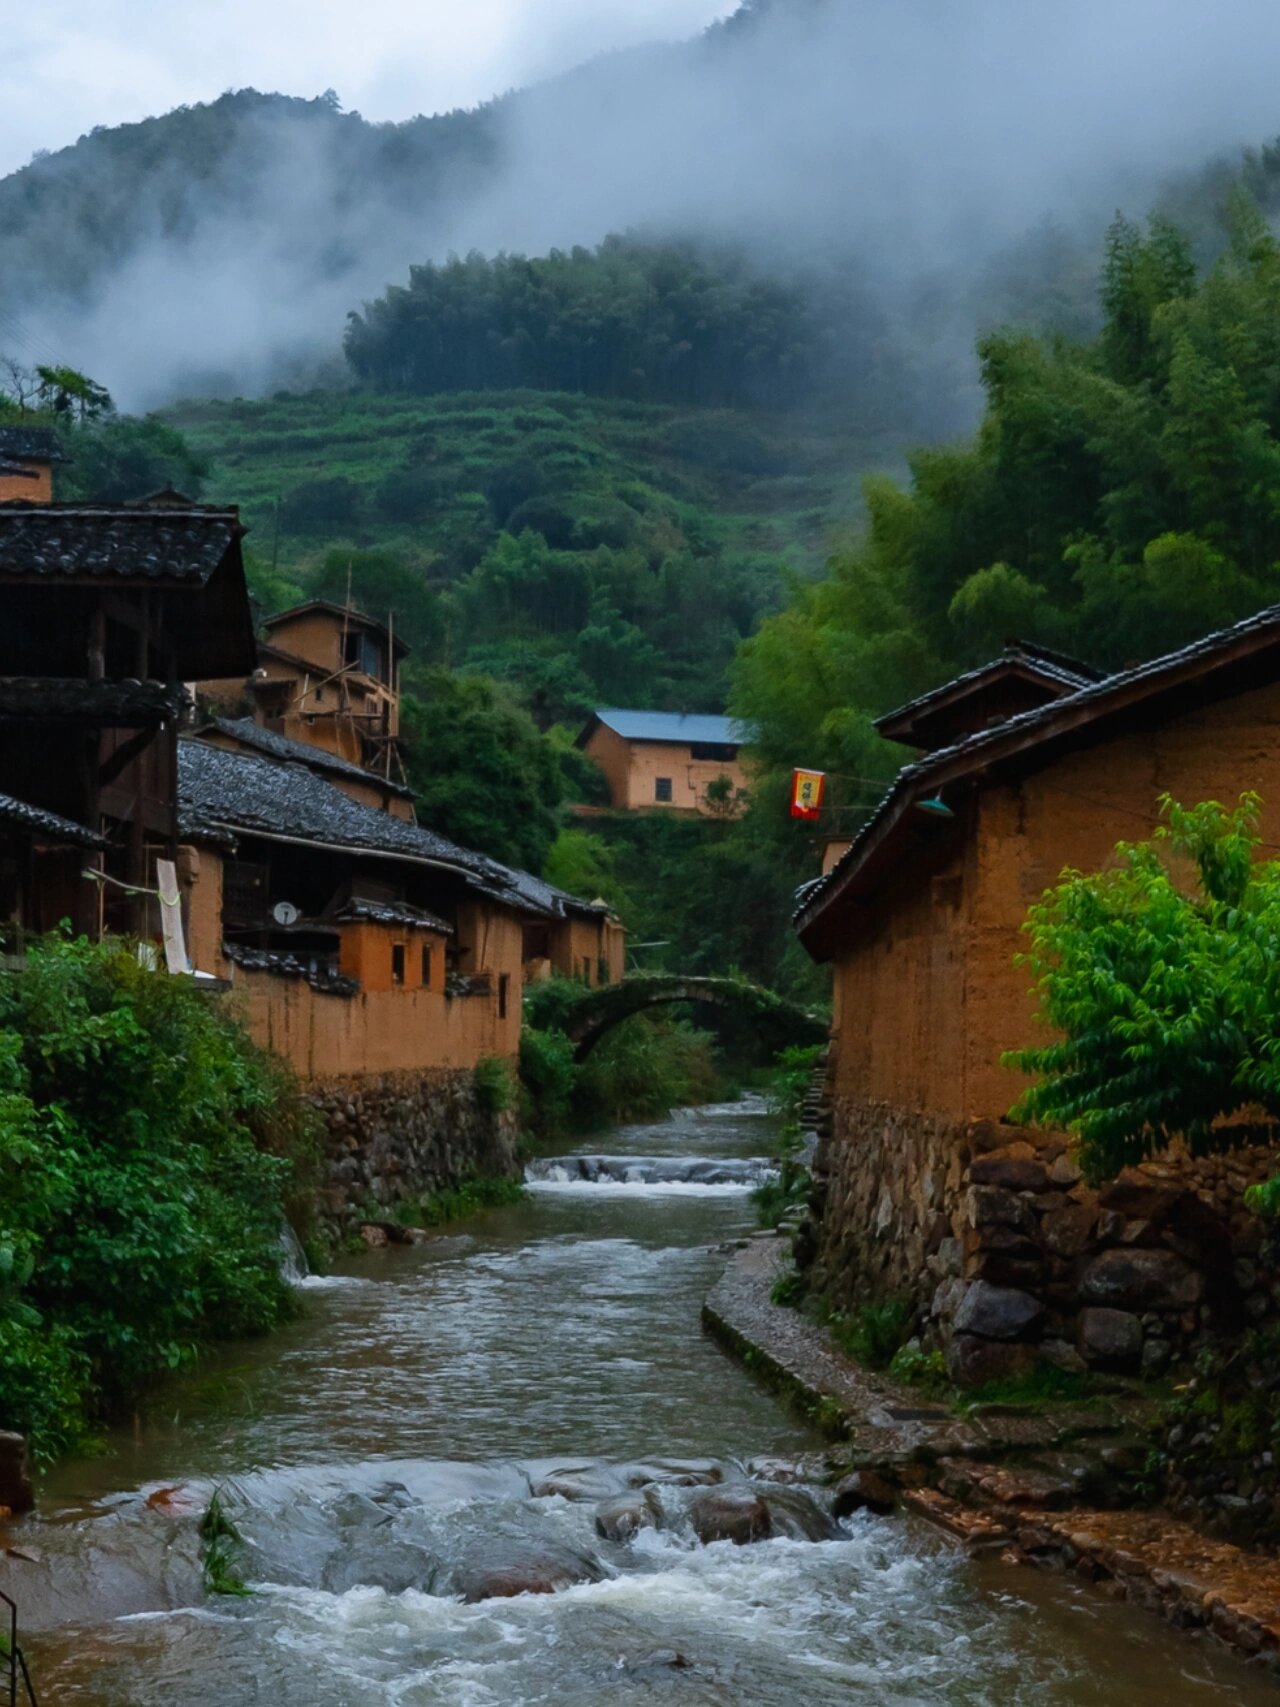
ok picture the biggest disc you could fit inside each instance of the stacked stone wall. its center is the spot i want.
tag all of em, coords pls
(1005, 1254)
(400, 1136)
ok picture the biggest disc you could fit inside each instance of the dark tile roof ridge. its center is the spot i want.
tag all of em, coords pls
(392, 912)
(36, 443)
(139, 513)
(1066, 661)
(299, 752)
(1013, 654)
(921, 769)
(13, 810)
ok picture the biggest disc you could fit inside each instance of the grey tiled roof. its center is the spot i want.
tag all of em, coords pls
(13, 811)
(221, 792)
(108, 541)
(299, 752)
(253, 793)
(912, 778)
(31, 444)
(72, 699)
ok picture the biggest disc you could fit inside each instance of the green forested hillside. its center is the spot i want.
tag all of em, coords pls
(586, 550)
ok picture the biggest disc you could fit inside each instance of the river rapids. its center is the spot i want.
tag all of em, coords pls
(444, 1415)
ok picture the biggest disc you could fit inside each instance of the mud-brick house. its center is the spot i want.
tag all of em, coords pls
(384, 962)
(104, 611)
(28, 457)
(922, 1192)
(327, 676)
(660, 761)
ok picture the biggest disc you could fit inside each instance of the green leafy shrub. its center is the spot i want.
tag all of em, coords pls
(789, 1289)
(147, 1152)
(644, 1068)
(1166, 1000)
(457, 1203)
(548, 1075)
(873, 1333)
(494, 1089)
(926, 1370)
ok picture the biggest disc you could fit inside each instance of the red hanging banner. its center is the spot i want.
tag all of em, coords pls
(806, 793)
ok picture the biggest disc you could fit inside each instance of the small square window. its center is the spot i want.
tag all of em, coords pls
(397, 963)
(426, 966)
(662, 788)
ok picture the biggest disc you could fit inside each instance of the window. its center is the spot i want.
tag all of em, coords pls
(426, 966)
(662, 788)
(602, 971)
(721, 750)
(504, 985)
(397, 963)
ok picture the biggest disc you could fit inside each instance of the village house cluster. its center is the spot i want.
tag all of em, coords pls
(1032, 764)
(359, 944)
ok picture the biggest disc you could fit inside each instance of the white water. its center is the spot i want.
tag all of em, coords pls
(440, 1401)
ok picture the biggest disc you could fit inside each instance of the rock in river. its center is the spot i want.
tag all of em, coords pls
(500, 1572)
(723, 1514)
(864, 1491)
(797, 1516)
(621, 1518)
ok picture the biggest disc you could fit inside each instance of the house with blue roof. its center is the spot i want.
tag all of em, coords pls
(665, 761)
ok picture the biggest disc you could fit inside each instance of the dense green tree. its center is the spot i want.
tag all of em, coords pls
(480, 770)
(121, 458)
(631, 318)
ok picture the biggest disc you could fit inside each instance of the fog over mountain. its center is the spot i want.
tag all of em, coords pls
(912, 140)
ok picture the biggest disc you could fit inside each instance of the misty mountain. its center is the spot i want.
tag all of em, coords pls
(960, 161)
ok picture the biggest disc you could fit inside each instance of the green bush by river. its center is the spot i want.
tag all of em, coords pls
(148, 1154)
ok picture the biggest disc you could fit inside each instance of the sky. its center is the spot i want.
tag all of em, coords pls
(69, 65)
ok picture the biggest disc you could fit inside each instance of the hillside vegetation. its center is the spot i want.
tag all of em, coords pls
(586, 550)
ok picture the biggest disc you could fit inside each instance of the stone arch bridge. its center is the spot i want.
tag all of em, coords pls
(778, 1022)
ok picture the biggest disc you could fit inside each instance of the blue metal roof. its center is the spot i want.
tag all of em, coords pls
(675, 726)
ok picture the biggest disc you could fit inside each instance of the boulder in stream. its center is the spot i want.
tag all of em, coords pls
(724, 1514)
(797, 1516)
(501, 1570)
(621, 1518)
(864, 1490)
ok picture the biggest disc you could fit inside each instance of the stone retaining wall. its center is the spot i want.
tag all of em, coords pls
(400, 1136)
(988, 1232)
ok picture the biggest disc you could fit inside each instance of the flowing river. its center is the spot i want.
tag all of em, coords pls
(443, 1411)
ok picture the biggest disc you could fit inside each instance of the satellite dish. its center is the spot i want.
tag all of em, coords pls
(285, 913)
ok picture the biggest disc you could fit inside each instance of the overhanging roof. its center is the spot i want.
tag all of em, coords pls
(39, 822)
(224, 794)
(103, 705)
(1218, 666)
(1034, 669)
(31, 444)
(187, 557)
(352, 617)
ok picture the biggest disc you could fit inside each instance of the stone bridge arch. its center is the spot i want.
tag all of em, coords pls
(779, 1022)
